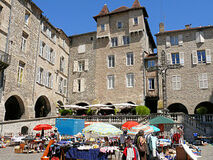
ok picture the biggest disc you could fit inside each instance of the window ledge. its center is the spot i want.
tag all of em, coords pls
(48, 37)
(61, 73)
(151, 89)
(125, 45)
(61, 94)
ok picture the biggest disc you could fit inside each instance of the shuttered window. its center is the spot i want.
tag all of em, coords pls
(176, 82)
(110, 81)
(130, 80)
(129, 59)
(200, 37)
(203, 80)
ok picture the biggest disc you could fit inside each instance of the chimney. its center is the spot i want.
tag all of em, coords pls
(161, 27)
(188, 26)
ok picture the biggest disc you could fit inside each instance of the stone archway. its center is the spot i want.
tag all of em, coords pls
(14, 108)
(177, 107)
(81, 111)
(42, 107)
(24, 130)
(207, 105)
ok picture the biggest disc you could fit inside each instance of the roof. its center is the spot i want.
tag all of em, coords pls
(183, 30)
(160, 120)
(151, 39)
(136, 4)
(82, 34)
(105, 10)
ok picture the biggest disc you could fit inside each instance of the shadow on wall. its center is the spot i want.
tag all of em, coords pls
(211, 97)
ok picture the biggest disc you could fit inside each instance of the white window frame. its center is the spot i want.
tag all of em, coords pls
(81, 66)
(203, 80)
(103, 27)
(114, 41)
(126, 40)
(130, 80)
(111, 61)
(176, 82)
(134, 22)
(151, 87)
(130, 59)
(20, 73)
(26, 18)
(110, 82)
(176, 40)
(23, 44)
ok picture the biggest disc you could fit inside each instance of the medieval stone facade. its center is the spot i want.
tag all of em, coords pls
(189, 87)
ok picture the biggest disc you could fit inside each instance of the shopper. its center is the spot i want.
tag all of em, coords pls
(141, 145)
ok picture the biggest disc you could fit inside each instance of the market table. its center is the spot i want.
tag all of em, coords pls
(91, 154)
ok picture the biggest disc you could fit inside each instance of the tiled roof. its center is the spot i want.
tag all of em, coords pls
(123, 8)
(186, 29)
(136, 4)
(104, 11)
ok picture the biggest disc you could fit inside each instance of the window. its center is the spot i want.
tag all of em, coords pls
(151, 83)
(150, 63)
(49, 32)
(53, 36)
(42, 46)
(120, 25)
(62, 64)
(114, 41)
(60, 85)
(174, 40)
(20, 72)
(110, 82)
(130, 80)
(65, 87)
(40, 75)
(176, 82)
(135, 21)
(79, 85)
(27, 16)
(102, 27)
(111, 61)
(203, 80)
(49, 51)
(129, 59)
(125, 40)
(201, 56)
(24, 41)
(43, 27)
(175, 58)
(81, 66)
(49, 80)
(200, 37)
(82, 48)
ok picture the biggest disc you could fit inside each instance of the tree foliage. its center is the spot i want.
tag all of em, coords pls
(65, 112)
(142, 110)
(202, 110)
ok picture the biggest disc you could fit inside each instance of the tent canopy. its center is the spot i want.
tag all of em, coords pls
(161, 120)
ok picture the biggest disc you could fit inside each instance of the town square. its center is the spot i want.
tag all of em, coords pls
(106, 80)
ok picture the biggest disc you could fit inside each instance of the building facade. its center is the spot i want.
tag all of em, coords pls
(189, 87)
(108, 65)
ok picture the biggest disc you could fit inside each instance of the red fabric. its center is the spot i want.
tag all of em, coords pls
(129, 124)
(125, 153)
(42, 126)
(161, 127)
(55, 158)
(176, 138)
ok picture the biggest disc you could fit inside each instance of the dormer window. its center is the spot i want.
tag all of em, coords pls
(135, 21)
(120, 25)
(27, 16)
(102, 27)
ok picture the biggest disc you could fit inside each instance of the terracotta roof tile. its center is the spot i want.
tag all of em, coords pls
(136, 4)
(123, 8)
(104, 11)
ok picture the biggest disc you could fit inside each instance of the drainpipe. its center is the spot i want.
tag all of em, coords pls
(36, 60)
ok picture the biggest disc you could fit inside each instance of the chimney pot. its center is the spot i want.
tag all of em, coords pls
(188, 26)
(161, 26)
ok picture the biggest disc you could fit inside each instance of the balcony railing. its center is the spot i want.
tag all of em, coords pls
(4, 60)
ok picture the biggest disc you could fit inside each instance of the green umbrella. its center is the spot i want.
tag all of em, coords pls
(161, 120)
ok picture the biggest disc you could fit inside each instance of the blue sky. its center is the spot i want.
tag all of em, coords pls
(76, 16)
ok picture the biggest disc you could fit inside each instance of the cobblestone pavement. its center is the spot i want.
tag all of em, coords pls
(206, 152)
(9, 154)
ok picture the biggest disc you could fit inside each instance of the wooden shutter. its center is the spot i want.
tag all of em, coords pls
(169, 58)
(208, 56)
(181, 58)
(83, 86)
(75, 66)
(205, 80)
(41, 48)
(197, 37)
(168, 43)
(178, 83)
(180, 39)
(51, 81)
(53, 57)
(75, 85)
(200, 80)
(38, 79)
(44, 77)
(86, 64)
(202, 37)
(194, 57)
(47, 81)
(174, 82)
(65, 87)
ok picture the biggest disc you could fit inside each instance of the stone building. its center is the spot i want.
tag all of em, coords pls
(36, 79)
(189, 87)
(108, 65)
